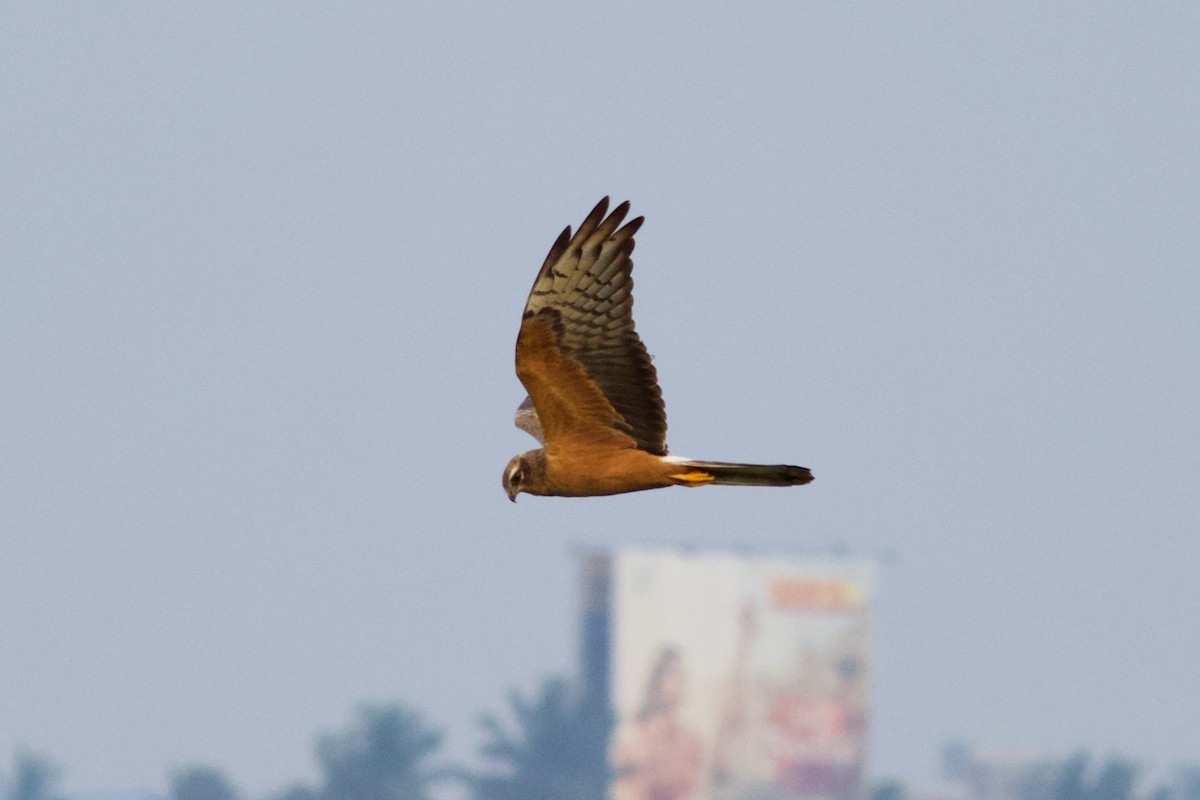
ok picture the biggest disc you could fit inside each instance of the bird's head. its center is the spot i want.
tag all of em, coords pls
(515, 474)
(525, 473)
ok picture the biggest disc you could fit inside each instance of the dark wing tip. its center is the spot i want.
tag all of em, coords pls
(625, 234)
(594, 218)
(558, 248)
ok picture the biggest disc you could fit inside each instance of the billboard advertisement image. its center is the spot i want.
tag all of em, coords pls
(738, 678)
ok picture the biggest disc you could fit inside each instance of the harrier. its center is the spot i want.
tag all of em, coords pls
(594, 401)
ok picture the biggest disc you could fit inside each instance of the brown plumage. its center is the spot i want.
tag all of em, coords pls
(594, 400)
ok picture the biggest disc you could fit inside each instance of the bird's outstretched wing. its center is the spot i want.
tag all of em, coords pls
(587, 372)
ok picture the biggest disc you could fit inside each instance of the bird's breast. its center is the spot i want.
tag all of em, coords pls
(587, 472)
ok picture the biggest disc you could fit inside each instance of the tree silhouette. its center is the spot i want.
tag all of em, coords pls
(1115, 781)
(201, 783)
(382, 757)
(1069, 785)
(298, 792)
(888, 790)
(557, 752)
(34, 778)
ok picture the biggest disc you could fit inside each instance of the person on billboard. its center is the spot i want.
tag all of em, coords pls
(733, 717)
(656, 756)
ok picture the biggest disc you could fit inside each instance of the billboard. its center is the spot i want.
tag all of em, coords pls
(738, 678)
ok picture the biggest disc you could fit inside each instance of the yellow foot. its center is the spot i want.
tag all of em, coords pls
(690, 479)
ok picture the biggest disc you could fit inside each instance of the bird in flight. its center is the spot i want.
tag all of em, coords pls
(594, 401)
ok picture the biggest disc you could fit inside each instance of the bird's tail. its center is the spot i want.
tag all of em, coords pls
(698, 473)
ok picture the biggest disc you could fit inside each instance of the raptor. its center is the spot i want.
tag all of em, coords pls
(594, 402)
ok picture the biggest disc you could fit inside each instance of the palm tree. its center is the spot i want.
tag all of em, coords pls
(383, 757)
(557, 752)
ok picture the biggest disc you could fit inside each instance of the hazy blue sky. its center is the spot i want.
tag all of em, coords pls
(261, 269)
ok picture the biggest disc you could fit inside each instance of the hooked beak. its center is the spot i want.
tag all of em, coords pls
(511, 494)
